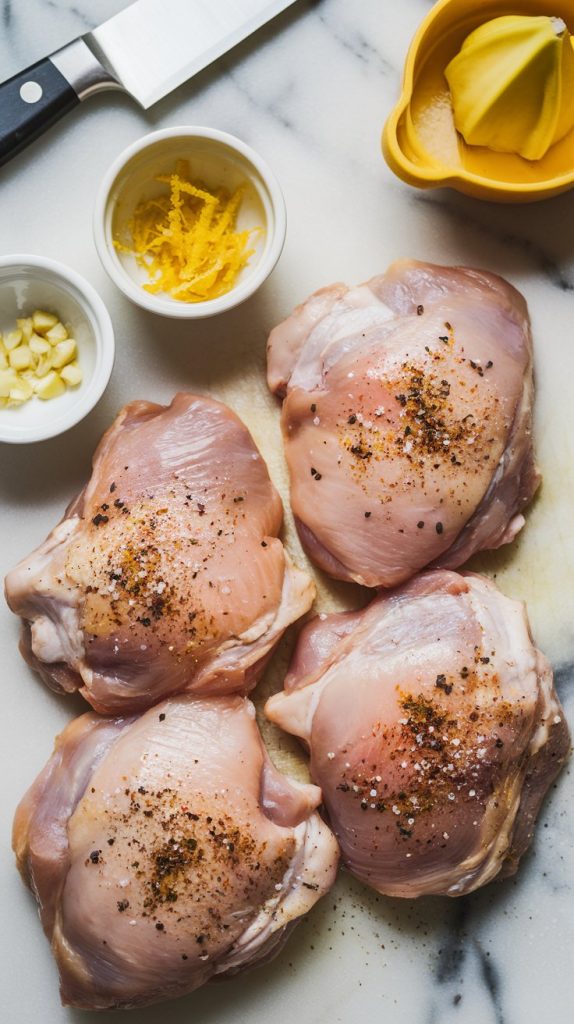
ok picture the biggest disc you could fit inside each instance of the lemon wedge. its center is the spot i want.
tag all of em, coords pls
(512, 85)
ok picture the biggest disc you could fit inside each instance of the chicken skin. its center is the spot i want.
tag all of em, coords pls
(434, 731)
(166, 573)
(406, 419)
(165, 850)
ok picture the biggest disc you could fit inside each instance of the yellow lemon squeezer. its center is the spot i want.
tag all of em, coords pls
(509, 68)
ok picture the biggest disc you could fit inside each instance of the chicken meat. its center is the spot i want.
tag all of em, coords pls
(166, 573)
(166, 849)
(434, 731)
(406, 420)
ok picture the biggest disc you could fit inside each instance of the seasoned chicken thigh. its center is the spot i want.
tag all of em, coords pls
(166, 850)
(407, 420)
(166, 573)
(434, 731)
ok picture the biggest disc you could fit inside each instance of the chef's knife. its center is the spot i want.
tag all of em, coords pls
(148, 49)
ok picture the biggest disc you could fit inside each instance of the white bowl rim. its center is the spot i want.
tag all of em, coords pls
(236, 295)
(94, 307)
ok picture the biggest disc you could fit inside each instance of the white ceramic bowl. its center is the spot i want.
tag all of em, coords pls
(34, 282)
(218, 159)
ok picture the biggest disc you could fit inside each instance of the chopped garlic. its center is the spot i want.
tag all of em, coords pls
(72, 375)
(43, 366)
(26, 326)
(20, 358)
(56, 333)
(63, 352)
(50, 386)
(12, 339)
(21, 392)
(43, 321)
(39, 346)
(37, 357)
(8, 379)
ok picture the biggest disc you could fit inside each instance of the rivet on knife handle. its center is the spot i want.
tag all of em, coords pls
(34, 99)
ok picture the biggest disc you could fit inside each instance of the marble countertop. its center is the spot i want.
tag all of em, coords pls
(310, 92)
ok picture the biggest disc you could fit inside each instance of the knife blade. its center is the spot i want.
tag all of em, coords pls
(147, 50)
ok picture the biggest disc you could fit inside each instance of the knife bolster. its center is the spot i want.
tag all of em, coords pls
(82, 69)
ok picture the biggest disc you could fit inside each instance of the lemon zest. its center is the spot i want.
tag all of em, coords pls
(187, 240)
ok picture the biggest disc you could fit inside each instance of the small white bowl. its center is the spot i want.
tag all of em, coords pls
(35, 282)
(218, 159)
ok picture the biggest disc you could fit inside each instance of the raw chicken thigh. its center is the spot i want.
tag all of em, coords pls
(434, 731)
(407, 420)
(166, 849)
(166, 573)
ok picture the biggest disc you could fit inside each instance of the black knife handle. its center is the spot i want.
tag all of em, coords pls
(30, 103)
